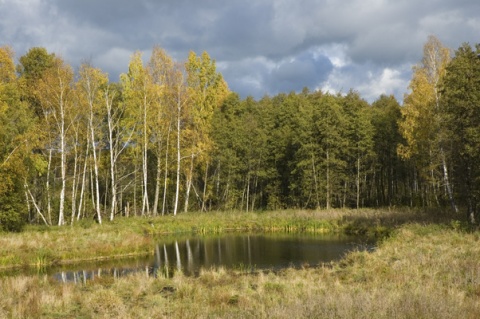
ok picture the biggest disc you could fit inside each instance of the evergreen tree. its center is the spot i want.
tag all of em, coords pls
(391, 184)
(460, 103)
(359, 152)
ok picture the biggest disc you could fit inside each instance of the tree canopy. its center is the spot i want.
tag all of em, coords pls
(171, 137)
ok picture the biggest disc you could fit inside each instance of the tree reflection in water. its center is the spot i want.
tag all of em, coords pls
(245, 252)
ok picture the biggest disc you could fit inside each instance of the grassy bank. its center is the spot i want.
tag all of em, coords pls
(420, 271)
(41, 246)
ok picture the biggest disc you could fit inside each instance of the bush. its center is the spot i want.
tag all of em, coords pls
(11, 221)
(11, 218)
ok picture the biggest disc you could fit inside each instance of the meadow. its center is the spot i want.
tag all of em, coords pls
(425, 266)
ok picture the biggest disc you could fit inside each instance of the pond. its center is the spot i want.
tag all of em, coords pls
(247, 252)
(253, 252)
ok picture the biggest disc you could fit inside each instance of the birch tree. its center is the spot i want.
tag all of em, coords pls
(422, 125)
(118, 137)
(91, 84)
(31, 69)
(179, 99)
(137, 89)
(207, 90)
(54, 92)
(160, 68)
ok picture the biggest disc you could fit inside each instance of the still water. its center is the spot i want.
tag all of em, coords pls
(235, 251)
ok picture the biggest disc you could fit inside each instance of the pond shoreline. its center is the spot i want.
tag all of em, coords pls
(195, 253)
(41, 246)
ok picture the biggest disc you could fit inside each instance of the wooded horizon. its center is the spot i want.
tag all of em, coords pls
(171, 137)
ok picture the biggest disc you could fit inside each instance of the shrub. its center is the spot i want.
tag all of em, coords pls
(10, 217)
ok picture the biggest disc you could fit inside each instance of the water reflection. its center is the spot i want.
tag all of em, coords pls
(244, 252)
(82, 276)
(251, 251)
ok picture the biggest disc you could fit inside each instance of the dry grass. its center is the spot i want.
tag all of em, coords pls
(49, 246)
(419, 272)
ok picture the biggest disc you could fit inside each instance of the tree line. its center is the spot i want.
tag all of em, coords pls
(171, 137)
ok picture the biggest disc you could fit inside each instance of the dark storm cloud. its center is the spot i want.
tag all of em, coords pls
(261, 47)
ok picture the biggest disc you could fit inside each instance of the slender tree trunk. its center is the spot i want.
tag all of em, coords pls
(63, 163)
(113, 208)
(217, 185)
(95, 166)
(92, 188)
(189, 183)
(27, 201)
(328, 181)
(254, 197)
(145, 203)
(204, 195)
(113, 152)
(315, 181)
(34, 202)
(82, 191)
(472, 204)
(177, 186)
(447, 182)
(358, 182)
(135, 188)
(248, 192)
(165, 180)
(157, 184)
(74, 180)
(47, 186)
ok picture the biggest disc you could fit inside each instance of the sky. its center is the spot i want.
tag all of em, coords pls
(261, 47)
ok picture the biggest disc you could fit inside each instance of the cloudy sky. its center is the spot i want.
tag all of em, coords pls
(260, 46)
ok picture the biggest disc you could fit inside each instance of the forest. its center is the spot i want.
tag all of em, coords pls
(170, 137)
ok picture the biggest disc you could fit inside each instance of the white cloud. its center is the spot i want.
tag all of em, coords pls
(389, 81)
(369, 81)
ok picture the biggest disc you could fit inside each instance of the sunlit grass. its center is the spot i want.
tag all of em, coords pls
(418, 272)
(41, 246)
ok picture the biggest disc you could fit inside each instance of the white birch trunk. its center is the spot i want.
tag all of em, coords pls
(112, 149)
(204, 195)
(315, 180)
(166, 173)
(63, 162)
(74, 183)
(157, 184)
(328, 181)
(145, 206)
(82, 191)
(95, 165)
(177, 187)
(358, 183)
(189, 183)
(47, 186)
